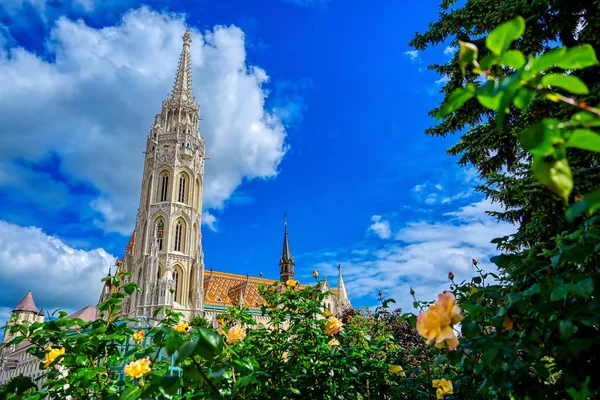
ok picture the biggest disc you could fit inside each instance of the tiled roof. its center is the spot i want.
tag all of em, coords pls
(86, 314)
(26, 304)
(224, 289)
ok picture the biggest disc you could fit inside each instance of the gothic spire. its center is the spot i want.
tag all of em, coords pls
(182, 89)
(286, 263)
(342, 295)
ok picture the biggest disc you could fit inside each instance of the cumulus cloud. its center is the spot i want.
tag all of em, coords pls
(443, 80)
(58, 276)
(412, 54)
(209, 220)
(450, 50)
(420, 256)
(380, 227)
(95, 100)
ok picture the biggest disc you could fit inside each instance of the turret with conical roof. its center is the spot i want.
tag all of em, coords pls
(26, 313)
(286, 263)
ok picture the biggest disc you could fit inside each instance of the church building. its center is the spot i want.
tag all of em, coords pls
(165, 255)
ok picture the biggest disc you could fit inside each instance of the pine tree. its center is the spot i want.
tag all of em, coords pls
(502, 164)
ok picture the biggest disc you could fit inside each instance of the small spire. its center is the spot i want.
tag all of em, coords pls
(26, 304)
(342, 295)
(286, 263)
(182, 89)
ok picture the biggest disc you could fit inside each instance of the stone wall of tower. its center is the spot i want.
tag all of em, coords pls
(168, 252)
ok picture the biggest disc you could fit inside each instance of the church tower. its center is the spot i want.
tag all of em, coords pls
(26, 313)
(286, 263)
(167, 259)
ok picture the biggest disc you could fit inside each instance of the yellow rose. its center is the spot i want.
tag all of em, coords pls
(236, 333)
(397, 370)
(326, 313)
(435, 324)
(443, 386)
(291, 284)
(333, 343)
(137, 369)
(333, 326)
(284, 356)
(51, 355)
(474, 290)
(138, 336)
(182, 327)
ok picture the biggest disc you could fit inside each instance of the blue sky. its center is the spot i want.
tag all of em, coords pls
(341, 103)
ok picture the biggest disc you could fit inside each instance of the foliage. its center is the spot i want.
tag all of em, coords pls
(503, 164)
(16, 386)
(199, 322)
(301, 355)
(533, 332)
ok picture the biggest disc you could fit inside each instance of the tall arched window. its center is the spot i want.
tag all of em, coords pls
(178, 236)
(197, 195)
(149, 191)
(182, 188)
(176, 284)
(160, 232)
(163, 186)
(144, 237)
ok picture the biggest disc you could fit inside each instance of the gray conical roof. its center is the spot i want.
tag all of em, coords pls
(26, 304)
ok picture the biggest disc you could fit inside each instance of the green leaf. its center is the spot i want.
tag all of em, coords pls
(513, 58)
(589, 203)
(582, 288)
(169, 384)
(130, 288)
(578, 57)
(569, 83)
(556, 175)
(456, 100)
(186, 350)
(585, 119)
(584, 139)
(523, 98)
(539, 139)
(131, 393)
(548, 60)
(500, 39)
(534, 289)
(210, 343)
(566, 329)
(489, 96)
(583, 394)
(467, 53)
(559, 293)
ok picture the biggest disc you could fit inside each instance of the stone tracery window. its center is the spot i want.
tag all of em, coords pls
(163, 185)
(180, 236)
(182, 188)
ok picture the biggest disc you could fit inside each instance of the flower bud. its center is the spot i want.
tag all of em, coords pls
(450, 275)
(412, 291)
(475, 261)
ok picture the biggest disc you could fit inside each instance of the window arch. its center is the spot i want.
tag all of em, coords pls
(163, 191)
(160, 232)
(149, 191)
(144, 238)
(183, 188)
(197, 195)
(178, 283)
(194, 242)
(180, 236)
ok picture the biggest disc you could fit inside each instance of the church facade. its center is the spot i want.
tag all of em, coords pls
(165, 255)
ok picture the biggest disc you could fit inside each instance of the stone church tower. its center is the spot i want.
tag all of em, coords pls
(166, 258)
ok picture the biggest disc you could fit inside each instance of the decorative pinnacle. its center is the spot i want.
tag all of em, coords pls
(182, 88)
(187, 37)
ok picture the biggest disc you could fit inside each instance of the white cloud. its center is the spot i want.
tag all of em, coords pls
(420, 256)
(380, 227)
(209, 220)
(413, 54)
(97, 99)
(443, 80)
(450, 50)
(57, 274)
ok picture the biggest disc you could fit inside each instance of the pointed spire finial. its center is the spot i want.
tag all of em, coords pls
(182, 89)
